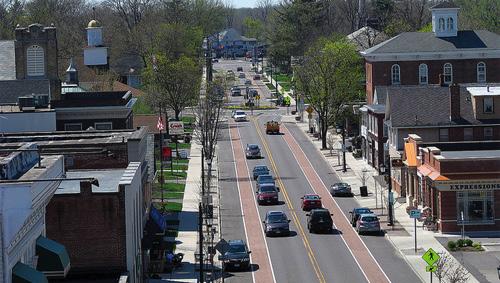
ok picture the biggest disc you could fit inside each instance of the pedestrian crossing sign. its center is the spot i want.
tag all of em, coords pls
(431, 268)
(430, 256)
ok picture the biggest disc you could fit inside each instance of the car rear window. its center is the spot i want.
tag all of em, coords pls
(322, 214)
(312, 197)
(266, 178)
(361, 211)
(253, 146)
(267, 189)
(369, 218)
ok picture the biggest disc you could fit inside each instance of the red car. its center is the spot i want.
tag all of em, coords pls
(311, 201)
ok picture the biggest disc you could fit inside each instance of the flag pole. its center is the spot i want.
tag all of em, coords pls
(160, 127)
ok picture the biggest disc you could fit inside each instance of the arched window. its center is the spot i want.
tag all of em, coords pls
(395, 74)
(423, 76)
(448, 73)
(441, 24)
(481, 72)
(35, 61)
(449, 24)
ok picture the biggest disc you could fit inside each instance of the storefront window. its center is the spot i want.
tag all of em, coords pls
(477, 207)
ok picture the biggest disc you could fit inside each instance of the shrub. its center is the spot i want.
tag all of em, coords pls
(477, 246)
(452, 246)
(461, 243)
(468, 243)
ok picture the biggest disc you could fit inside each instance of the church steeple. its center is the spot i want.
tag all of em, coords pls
(71, 73)
(445, 19)
(95, 54)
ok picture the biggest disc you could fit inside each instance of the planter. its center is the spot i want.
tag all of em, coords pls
(363, 191)
(297, 118)
(294, 112)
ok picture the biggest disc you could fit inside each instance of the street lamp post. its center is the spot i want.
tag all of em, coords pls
(386, 171)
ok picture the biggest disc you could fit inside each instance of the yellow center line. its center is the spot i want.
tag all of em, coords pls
(295, 218)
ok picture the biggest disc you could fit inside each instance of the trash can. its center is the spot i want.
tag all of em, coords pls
(363, 191)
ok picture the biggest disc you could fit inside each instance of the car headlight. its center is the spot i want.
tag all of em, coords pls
(245, 259)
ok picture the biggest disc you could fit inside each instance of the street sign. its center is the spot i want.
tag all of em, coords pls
(257, 97)
(176, 128)
(431, 268)
(222, 246)
(309, 109)
(430, 257)
(415, 213)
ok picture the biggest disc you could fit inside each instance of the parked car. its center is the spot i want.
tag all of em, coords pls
(235, 91)
(356, 212)
(311, 201)
(248, 82)
(259, 170)
(341, 190)
(239, 69)
(265, 179)
(276, 223)
(267, 194)
(238, 255)
(240, 116)
(319, 220)
(241, 75)
(256, 77)
(368, 223)
(252, 151)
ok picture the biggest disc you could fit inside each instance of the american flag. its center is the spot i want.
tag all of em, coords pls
(160, 125)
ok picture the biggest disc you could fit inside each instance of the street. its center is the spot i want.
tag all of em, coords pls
(341, 256)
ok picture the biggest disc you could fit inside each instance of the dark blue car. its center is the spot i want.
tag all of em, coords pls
(260, 170)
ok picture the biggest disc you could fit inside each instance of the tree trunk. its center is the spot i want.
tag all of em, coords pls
(324, 131)
(177, 114)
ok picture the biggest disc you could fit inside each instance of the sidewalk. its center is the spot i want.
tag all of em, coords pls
(402, 241)
(280, 89)
(187, 239)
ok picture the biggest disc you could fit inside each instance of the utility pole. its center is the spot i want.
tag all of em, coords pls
(200, 231)
(389, 188)
(344, 169)
(161, 161)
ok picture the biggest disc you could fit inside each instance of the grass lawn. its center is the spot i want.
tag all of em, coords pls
(173, 187)
(181, 164)
(173, 207)
(188, 119)
(173, 195)
(282, 77)
(270, 86)
(285, 85)
(173, 175)
(179, 145)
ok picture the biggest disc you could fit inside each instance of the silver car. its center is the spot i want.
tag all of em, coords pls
(368, 223)
(276, 223)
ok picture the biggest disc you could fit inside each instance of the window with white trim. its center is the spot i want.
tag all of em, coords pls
(73, 126)
(448, 73)
(423, 76)
(476, 207)
(103, 126)
(396, 74)
(449, 24)
(481, 72)
(443, 135)
(35, 61)
(468, 134)
(488, 105)
(441, 24)
(488, 133)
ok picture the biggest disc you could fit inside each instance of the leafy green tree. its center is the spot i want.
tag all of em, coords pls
(173, 83)
(253, 28)
(479, 14)
(175, 40)
(329, 79)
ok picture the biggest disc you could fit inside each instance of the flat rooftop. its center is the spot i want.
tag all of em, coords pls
(471, 154)
(15, 109)
(484, 90)
(108, 181)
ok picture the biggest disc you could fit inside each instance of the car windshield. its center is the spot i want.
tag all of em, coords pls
(240, 113)
(237, 248)
(362, 210)
(265, 178)
(261, 168)
(311, 197)
(369, 218)
(267, 189)
(253, 146)
(275, 218)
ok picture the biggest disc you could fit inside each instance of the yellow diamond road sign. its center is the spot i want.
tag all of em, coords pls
(309, 109)
(431, 268)
(431, 256)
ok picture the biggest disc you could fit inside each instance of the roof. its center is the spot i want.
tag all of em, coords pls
(366, 37)
(108, 181)
(7, 60)
(484, 91)
(433, 107)
(125, 64)
(11, 90)
(94, 24)
(411, 154)
(147, 120)
(376, 108)
(445, 5)
(471, 154)
(415, 42)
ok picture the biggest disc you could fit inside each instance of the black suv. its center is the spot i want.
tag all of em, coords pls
(238, 255)
(319, 220)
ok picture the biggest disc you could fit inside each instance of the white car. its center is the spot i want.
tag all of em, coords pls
(239, 116)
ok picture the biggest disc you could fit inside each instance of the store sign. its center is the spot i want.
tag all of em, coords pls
(472, 185)
(176, 128)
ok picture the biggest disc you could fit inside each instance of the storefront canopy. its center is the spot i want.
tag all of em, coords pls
(22, 273)
(53, 259)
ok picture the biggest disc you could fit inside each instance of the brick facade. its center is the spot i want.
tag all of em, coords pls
(464, 71)
(91, 250)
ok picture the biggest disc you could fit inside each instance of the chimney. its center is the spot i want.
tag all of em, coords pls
(454, 102)
(441, 80)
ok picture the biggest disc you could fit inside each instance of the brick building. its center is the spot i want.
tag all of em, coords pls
(419, 58)
(462, 187)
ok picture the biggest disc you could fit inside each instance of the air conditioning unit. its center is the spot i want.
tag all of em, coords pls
(41, 100)
(26, 103)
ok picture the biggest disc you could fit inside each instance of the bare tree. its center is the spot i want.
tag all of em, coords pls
(442, 266)
(457, 274)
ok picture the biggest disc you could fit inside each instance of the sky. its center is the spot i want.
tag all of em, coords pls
(245, 3)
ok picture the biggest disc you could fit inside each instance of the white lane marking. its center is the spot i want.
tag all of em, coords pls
(383, 272)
